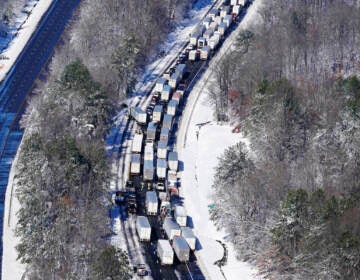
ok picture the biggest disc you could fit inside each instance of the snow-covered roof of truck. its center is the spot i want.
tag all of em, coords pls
(135, 158)
(172, 103)
(152, 126)
(151, 196)
(161, 163)
(148, 164)
(180, 242)
(187, 232)
(180, 211)
(158, 108)
(173, 156)
(162, 145)
(143, 221)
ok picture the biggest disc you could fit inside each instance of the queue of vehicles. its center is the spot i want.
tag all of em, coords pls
(150, 145)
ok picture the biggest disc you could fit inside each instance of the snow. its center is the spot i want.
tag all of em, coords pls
(27, 26)
(11, 268)
(200, 142)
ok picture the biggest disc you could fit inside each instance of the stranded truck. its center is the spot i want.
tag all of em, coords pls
(161, 168)
(143, 228)
(148, 170)
(151, 203)
(171, 228)
(162, 149)
(171, 108)
(165, 252)
(157, 113)
(135, 163)
(151, 131)
(189, 236)
(137, 143)
(173, 161)
(180, 215)
(181, 249)
(138, 114)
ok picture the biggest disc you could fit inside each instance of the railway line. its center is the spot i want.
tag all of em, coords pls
(188, 270)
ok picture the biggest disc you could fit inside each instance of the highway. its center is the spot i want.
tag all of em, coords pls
(18, 85)
(146, 251)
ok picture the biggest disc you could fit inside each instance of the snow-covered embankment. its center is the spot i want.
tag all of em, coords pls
(200, 142)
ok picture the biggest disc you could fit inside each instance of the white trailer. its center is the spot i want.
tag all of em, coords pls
(193, 38)
(201, 42)
(157, 113)
(138, 114)
(151, 202)
(160, 84)
(206, 22)
(213, 26)
(164, 134)
(228, 20)
(135, 163)
(172, 178)
(205, 53)
(173, 161)
(143, 228)
(181, 249)
(214, 41)
(213, 13)
(208, 33)
(242, 2)
(180, 215)
(148, 173)
(218, 20)
(161, 168)
(151, 131)
(171, 228)
(192, 55)
(174, 80)
(224, 11)
(149, 152)
(189, 236)
(165, 93)
(162, 149)
(236, 10)
(222, 28)
(136, 146)
(171, 108)
(167, 121)
(165, 252)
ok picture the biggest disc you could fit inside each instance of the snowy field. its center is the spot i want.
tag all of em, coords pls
(200, 142)
(27, 25)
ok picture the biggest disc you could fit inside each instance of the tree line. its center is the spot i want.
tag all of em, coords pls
(296, 74)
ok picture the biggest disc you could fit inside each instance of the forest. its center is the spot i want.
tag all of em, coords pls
(62, 171)
(290, 199)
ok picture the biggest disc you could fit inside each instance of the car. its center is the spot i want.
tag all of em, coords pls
(152, 103)
(141, 270)
(160, 186)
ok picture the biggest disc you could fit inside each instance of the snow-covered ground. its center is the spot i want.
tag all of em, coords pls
(11, 268)
(27, 25)
(200, 142)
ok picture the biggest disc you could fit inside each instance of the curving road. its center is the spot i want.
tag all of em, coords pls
(19, 83)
